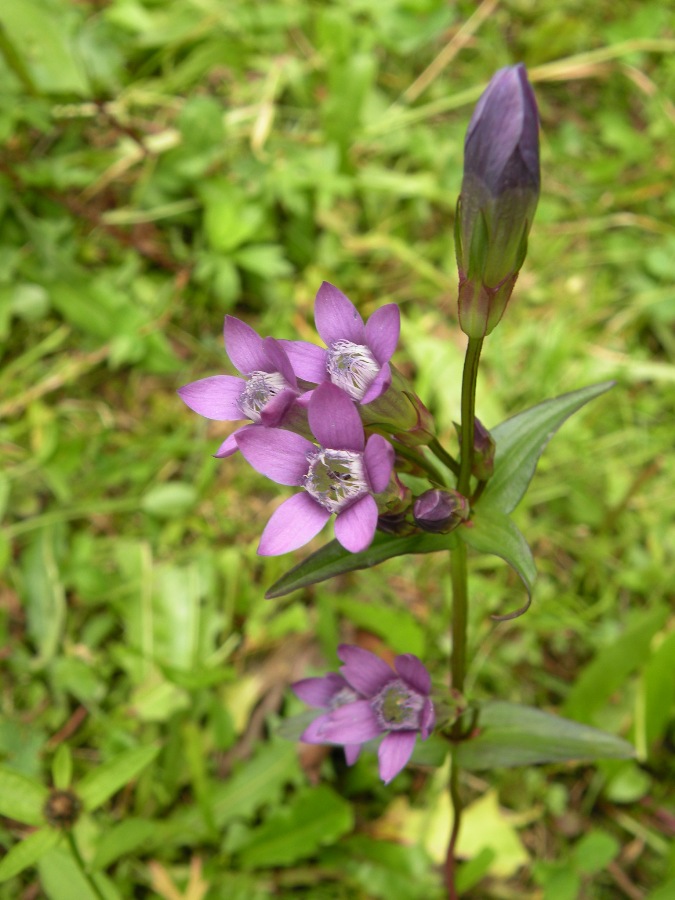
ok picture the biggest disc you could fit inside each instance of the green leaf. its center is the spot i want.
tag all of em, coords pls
(121, 839)
(21, 798)
(28, 852)
(170, 500)
(95, 788)
(595, 851)
(607, 673)
(42, 38)
(514, 735)
(62, 767)
(61, 877)
(258, 782)
(332, 559)
(44, 594)
(397, 625)
(522, 439)
(657, 691)
(490, 531)
(315, 817)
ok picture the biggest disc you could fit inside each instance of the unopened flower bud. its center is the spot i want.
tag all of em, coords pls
(62, 808)
(400, 412)
(483, 461)
(440, 511)
(500, 190)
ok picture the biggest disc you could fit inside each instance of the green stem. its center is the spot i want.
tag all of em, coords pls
(469, 379)
(460, 592)
(460, 604)
(450, 859)
(77, 856)
(442, 454)
(413, 456)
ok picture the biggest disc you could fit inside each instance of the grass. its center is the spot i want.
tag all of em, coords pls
(165, 164)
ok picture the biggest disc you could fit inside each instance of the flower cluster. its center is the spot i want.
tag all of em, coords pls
(368, 699)
(305, 409)
(328, 419)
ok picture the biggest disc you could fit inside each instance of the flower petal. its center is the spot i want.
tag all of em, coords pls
(245, 347)
(216, 397)
(308, 361)
(352, 753)
(382, 332)
(364, 671)
(353, 723)
(355, 526)
(427, 719)
(336, 317)
(276, 408)
(378, 385)
(379, 459)
(292, 525)
(413, 672)
(395, 751)
(280, 455)
(229, 445)
(319, 691)
(278, 360)
(334, 419)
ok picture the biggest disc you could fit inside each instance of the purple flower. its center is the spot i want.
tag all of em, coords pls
(266, 394)
(329, 692)
(394, 703)
(340, 476)
(357, 355)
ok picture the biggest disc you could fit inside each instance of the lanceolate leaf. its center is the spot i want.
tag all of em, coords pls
(102, 783)
(332, 559)
(492, 532)
(21, 798)
(27, 852)
(522, 439)
(315, 817)
(513, 735)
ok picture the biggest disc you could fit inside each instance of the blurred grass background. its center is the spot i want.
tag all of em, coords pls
(163, 164)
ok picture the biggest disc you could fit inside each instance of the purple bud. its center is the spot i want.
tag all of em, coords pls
(500, 190)
(440, 511)
(483, 461)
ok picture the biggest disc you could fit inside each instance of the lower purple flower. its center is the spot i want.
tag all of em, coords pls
(340, 476)
(368, 699)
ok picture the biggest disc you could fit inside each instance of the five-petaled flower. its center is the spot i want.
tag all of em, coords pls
(357, 355)
(394, 703)
(340, 476)
(267, 394)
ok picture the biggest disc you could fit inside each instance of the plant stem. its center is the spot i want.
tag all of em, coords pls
(460, 604)
(460, 591)
(450, 859)
(419, 460)
(469, 378)
(442, 454)
(77, 856)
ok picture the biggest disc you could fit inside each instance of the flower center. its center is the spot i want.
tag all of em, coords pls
(336, 478)
(397, 707)
(259, 390)
(352, 367)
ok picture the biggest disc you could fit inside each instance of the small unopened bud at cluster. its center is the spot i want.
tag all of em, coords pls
(500, 190)
(483, 460)
(440, 511)
(62, 808)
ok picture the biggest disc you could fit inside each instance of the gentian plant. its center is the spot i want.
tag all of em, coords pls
(343, 425)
